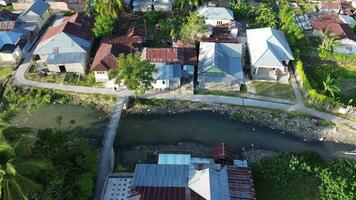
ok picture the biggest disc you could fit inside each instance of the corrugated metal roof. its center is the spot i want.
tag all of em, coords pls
(224, 58)
(240, 183)
(174, 159)
(153, 175)
(167, 71)
(216, 13)
(7, 37)
(161, 193)
(65, 58)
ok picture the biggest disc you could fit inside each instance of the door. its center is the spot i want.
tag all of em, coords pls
(62, 68)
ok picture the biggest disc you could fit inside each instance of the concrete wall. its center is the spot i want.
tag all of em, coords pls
(71, 67)
(215, 22)
(101, 76)
(220, 86)
(166, 84)
(12, 57)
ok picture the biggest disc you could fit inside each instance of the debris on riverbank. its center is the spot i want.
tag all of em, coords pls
(298, 124)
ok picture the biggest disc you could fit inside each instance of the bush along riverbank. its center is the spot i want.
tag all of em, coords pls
(17, 98)
(304, 176)
(298, 124)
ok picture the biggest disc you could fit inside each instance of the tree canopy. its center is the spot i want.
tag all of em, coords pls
(110, 8)
(103, 25)
(192, 27)
(265, 17)
(135, 73)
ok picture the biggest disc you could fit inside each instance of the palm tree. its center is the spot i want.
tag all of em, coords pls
(330, 87)
(14, 185)
(110, 8)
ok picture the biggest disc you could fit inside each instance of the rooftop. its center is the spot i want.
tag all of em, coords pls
(216, 13)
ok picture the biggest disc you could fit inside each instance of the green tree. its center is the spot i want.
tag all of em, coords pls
(103, 25)
(15, 170)
(328, 41)
(135, 73)
(241, 9)
(294, 33)
(330, 87)
(184, 5)
(109, 8)
(266, 17)
(192, 27)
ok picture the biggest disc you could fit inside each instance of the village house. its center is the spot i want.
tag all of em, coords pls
(169, 64)
(216, 15)
(163, 5)
(269, 54)
(220, 66)
(182, 177)
(111, 47)
(142, 5)
(346, 38)
(330, 7)
(37, 14)
(65, 46)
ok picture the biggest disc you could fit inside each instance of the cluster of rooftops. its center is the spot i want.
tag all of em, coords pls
(183, 177)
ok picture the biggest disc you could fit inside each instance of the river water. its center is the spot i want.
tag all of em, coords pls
(210, 128)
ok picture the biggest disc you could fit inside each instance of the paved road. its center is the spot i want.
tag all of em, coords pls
(299, 106)
(107, 154)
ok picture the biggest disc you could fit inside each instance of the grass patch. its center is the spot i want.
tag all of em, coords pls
(274, 90)
(5, 72)
(152, 102)
(344, 75)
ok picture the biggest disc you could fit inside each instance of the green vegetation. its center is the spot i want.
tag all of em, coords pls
(184, 5)
(220, 93)
(109, 8)
(136, 74)
(192, 27)
(328, 42)
(276, 90)
(103, 25)
(304, 176)
(9, 8)
(4, 73)
(67, 78)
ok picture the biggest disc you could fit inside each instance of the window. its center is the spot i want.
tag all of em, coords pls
(163, 82)
(219, 22)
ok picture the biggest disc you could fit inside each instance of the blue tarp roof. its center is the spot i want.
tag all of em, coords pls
(7, 37)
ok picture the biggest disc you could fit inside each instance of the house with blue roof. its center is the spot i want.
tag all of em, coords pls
(36, 14)
(65, 46)
(12, 46)
(220, 66)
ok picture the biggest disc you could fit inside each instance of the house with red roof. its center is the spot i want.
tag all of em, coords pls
(330, 7)
(111, 47)
(65, 46)
(169, 63)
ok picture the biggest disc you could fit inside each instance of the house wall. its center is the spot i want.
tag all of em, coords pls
(163, 7)
(220, 86)
(71, 67)
(215, 22)
(12, 57)
(166, 84)
(63, 41)
(101, 76)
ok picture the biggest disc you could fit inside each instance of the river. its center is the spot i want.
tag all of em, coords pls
(211, 128)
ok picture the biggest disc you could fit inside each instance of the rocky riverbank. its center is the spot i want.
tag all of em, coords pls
(301, 125)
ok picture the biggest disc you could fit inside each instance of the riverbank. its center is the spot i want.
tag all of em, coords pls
(301, 125)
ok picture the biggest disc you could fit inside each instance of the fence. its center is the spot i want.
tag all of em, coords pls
(332, 107)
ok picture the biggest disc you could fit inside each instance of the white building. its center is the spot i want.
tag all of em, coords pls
(117, 186)
(269, 54)
(216, 15)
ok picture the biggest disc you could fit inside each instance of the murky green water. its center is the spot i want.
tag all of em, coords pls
(210, 128)
(90, 122)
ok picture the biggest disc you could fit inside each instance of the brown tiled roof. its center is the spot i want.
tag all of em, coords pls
(340, 30)
(161, 193)
(111, 47)
(135, 31)
(79, 25)
(223, 154)
(167, 55)
(331, 5)
(185, 56)
(240, 183)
